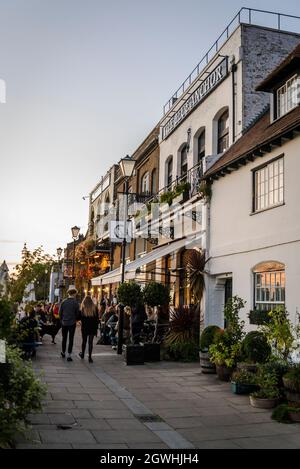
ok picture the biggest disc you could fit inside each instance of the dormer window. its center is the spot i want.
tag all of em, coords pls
(287, 96)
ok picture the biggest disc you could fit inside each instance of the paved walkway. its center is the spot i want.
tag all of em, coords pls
(160, 405)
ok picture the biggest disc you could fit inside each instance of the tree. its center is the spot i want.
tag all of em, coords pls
(156, 294)
(130, 294)
(34, 268)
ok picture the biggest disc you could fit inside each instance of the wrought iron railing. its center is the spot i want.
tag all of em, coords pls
(245, 15)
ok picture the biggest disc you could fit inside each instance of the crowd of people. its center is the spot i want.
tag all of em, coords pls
(95, 319)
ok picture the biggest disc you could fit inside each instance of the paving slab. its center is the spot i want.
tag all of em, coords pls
(102, 403)
(67, 436)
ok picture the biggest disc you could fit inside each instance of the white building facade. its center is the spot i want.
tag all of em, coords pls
(210, 112)
(254, 209)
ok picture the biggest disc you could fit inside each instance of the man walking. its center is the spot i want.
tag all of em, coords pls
(68, 314)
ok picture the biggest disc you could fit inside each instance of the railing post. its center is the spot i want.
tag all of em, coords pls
(250, 16)
(278, 15)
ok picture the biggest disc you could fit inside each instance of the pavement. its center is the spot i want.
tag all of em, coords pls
(163, 405)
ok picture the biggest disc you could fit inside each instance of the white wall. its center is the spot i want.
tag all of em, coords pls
(239, 240)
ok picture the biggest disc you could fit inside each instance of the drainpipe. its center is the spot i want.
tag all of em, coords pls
(233, 74)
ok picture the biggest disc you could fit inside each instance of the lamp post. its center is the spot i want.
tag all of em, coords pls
(127, 166)
(75, 233)
(59, 252)
(45, 284)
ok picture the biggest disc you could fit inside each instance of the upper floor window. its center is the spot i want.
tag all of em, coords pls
(145, 183)
(287, 96)
(183, 161)
(153, 181)
(268, 185)
(201, 146)
(269, 286)
(169, 168)
(223, 132)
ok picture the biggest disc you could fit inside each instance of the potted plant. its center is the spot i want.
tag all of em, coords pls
(268, 394)
(243, 382)
(206, 340)
(183, 190)
(205, 190)
(130, 294)
(226, 350)
(155, 294)
(286, 413)
(291, 382)
(180, 341)
(254, 349)
(167, 197)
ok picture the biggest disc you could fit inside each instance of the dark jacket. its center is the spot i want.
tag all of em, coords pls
(69, 311)
(89, 324)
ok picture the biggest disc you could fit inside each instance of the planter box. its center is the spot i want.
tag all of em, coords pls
(294, 416)
(263, 403)
(224, 373)
(292, 396)
(207, 367)
(134, 354)
(151, 352)
(239, 388)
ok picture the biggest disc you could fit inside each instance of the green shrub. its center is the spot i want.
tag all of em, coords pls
(130, 294)
(184, 351)
(281, 413)
(156, 294)
(292, 378)
(20, 394)
(6, 318)
(277, 367)
(255, 348)
(167, 197)
(243, 377)
(207, 337)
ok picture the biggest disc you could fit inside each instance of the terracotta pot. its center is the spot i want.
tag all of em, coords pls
(263, 403)
(224, 373)
(294, 416)
(207, 366)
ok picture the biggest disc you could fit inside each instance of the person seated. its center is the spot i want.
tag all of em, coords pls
(112, 324)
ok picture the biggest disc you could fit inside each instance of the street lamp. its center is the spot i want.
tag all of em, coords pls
(59, 252)
(75, 233)
(127, 166)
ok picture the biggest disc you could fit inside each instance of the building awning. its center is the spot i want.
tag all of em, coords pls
(161, 251)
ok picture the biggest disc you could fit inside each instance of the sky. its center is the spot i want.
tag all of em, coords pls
(86, 80)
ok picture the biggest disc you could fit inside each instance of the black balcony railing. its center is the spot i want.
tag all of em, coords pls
(192, 177)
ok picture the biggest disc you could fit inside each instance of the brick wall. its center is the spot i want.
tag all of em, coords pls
(262, 50)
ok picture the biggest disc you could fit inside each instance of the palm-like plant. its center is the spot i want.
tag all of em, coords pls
(182, 326)
(195, 264)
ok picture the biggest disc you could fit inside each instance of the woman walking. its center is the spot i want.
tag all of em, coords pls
(89, 325)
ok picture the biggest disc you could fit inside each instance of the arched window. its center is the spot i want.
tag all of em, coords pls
(106, 206)
(154, 182)
(269, 285)
(145, 183)
(223, 132)
(169, 171)
(183, 162)
(201, 146)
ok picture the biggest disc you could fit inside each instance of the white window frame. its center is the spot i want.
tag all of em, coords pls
(145, 184)
(260, 292)
(287, 96)
(268, 185)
